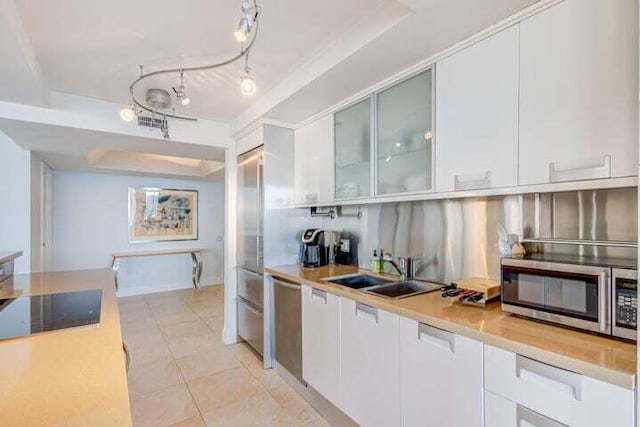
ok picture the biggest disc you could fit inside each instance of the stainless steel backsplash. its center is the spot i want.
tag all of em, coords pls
(456, 238)
(449, 239)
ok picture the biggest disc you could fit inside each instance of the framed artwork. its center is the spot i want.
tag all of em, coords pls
(159, 214)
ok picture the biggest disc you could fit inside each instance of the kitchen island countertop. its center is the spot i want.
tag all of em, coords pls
(71, 377)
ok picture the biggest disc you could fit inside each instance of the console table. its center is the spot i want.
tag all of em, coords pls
(196, 258)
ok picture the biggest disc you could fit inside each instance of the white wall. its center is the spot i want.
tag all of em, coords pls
(15, 194)
(36, 212)
(90, 222)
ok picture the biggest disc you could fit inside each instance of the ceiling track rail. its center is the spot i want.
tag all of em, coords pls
(244, 50)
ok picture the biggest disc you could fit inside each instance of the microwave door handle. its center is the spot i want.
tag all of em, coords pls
(603, 302)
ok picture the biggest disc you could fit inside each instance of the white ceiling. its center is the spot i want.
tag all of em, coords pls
(93, 48)
(433, 26)
(308, 57)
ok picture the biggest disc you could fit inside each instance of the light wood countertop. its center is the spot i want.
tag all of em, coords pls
(72, 377)
(596, 356)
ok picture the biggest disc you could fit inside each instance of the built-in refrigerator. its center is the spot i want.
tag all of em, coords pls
(250, 282)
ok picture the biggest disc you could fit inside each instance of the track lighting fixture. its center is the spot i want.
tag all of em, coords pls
(246, 23)
(128, 114)
(246, 33)
(247, 84)
(181, 94)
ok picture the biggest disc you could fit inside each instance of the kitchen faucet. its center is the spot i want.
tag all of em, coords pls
(402, 268)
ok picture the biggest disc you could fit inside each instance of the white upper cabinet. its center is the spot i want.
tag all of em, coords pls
(477, 115)
(314, 162)
(404, 136)
(578, 92)
(352, 134)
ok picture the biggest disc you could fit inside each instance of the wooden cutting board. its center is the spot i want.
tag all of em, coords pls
(490, 288)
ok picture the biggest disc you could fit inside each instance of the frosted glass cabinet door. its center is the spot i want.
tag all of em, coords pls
(404, 148)
(352, 127)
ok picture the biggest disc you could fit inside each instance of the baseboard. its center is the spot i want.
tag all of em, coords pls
(128, 292)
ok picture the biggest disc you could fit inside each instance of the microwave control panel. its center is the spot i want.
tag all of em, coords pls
(626, 294)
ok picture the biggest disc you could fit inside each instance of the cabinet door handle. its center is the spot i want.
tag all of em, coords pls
(590, 172)
(472, 181)
(367, 311)
(526, 415)
(603, 302)
(319, 295)
(286, 284)
(550, 374)
(440, 336)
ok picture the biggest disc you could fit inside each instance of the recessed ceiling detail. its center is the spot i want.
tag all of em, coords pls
(149, 163)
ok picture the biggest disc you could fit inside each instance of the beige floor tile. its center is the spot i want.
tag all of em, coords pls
(132, 305)
(250, 360)
(185, 329)
(256, 410)
(123, 301)
(142, 332)
(207, 308)
(169, 308)
(295, 405)
(207, 362)
(149, 378)
(181, 347)
(182, 316)
(223, 388)
(191, 422)
(149, 353)
(215, 323)
(163, 407)
(139, 314)
(320, 422)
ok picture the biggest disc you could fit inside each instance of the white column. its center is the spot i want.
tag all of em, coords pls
(230, 331)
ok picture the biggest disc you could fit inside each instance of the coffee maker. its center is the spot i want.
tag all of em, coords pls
(314, 251)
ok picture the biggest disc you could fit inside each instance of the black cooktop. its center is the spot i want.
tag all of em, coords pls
(32, 314)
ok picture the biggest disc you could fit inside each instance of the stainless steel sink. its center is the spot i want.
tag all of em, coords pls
(383, 287)
(404, 289)
(358, 281)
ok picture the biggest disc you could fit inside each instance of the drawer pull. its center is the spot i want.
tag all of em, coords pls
(553, 376)
(526, 417)
(319, 295)
(367, 311)
(592, 172)
(439, 336)
(472, 181)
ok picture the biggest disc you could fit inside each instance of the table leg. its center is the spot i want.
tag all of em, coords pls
(115, 266)
(196, 257)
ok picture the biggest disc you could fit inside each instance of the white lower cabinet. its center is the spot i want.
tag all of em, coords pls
(440, 377)
(321, 342)
(501, 412)
(550, 396)
(369, 364)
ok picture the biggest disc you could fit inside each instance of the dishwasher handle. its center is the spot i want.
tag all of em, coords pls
(287, 284)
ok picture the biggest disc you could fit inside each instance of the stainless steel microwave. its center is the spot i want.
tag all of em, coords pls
(597, 296)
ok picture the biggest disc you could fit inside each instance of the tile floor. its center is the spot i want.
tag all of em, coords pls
(182, 375)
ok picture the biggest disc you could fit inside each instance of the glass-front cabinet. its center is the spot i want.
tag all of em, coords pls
(352, 130)
(404, 135)
(383, 144)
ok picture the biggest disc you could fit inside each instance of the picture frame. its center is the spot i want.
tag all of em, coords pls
(162, 214)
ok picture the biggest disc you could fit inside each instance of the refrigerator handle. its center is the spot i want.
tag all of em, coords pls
(260, 206)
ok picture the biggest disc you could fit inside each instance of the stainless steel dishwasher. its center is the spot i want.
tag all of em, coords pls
(288, 325)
